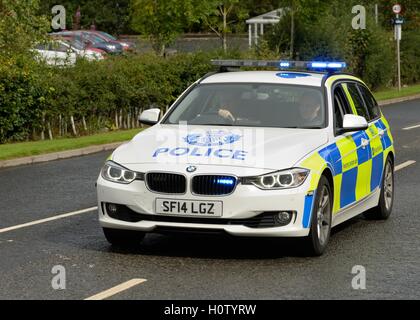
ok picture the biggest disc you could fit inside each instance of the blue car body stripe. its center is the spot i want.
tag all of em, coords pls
(348, 187)
(363, 155)
(331, 154)
(377, 168)
(309, 199)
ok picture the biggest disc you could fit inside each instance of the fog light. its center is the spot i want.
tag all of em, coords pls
(284, 217)
(111, 208)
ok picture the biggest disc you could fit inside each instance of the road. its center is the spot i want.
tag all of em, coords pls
(200, 267)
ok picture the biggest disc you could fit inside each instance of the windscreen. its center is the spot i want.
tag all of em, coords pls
(253, 105)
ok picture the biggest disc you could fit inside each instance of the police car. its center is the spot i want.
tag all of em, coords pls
(286, 153)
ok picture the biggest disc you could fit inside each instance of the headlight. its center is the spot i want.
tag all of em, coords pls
(287, 179)
(111, 47)
(115, 173)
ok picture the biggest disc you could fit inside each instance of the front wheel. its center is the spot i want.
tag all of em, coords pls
(386, 200)
(316, 242)
(123, 238)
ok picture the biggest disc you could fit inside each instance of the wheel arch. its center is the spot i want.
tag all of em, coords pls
(391, 156)
(328, 174)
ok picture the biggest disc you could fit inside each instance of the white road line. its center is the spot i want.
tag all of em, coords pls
(404, 165)
(412, 127)
(58, 217)
(117, 289)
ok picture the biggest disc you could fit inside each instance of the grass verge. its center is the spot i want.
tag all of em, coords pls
(26, 149)
(394, 93)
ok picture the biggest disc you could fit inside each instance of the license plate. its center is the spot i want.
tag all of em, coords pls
(189, 208)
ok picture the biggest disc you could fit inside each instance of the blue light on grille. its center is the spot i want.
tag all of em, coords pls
(226, 181)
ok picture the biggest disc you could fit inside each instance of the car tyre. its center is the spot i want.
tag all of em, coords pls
(123, 238)
(320, 231)
(386, 201)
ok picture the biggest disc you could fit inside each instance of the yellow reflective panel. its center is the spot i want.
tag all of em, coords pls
(375, 140)
(316, 164)
(348, 151)
(389, 129)
(364, 174)
(332, 79)
(337, 193)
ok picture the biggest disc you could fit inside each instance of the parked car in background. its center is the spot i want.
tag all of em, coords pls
(127, 45)
(64, 53)
(91, 40)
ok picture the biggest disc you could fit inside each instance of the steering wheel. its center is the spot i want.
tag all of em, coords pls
(217, 116)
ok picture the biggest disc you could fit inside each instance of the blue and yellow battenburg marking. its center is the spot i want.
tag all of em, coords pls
(357, 171)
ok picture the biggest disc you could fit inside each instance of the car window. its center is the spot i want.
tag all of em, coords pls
(93, 38)
(107, 35)
(357, 100)
(42, 47)
(59, 47)
(371, 104)
(254, 105)
(341, 106)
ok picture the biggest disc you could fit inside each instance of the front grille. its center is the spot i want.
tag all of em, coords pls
(213, 185)
(166, 183)
(264, 220)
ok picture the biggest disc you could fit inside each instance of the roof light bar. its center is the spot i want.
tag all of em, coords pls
(283, 64)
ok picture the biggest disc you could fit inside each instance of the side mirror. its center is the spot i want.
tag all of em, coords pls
(150, 117)
(353, 123)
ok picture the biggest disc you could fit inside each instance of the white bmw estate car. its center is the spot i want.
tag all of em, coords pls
(254, 153)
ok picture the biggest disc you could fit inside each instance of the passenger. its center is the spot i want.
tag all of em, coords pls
(310, 110)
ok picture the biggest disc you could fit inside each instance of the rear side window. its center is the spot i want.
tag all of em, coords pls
(358, 101)
(371, 104)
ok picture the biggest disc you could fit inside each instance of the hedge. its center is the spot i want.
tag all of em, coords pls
(37, 100)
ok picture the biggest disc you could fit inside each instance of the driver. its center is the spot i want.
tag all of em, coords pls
(310, 109)
(228, 107)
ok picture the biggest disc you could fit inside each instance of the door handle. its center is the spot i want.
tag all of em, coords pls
(365, 143)
(381, 132)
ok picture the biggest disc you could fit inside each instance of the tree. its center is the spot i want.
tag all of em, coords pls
(163, 21)
(223, 14)
(20, 27)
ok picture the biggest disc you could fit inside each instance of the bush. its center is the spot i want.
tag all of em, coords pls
(22, 97)
(410, 57)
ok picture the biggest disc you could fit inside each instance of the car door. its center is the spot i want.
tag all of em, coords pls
(349, 188)
(379, 140)
(362, 140)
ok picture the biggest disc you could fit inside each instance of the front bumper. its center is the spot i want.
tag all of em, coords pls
(244, 203)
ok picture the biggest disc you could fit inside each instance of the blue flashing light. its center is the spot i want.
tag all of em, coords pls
(337, 65)
(319, 65)
(226, 181)
(284, 64)
(327, 65)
